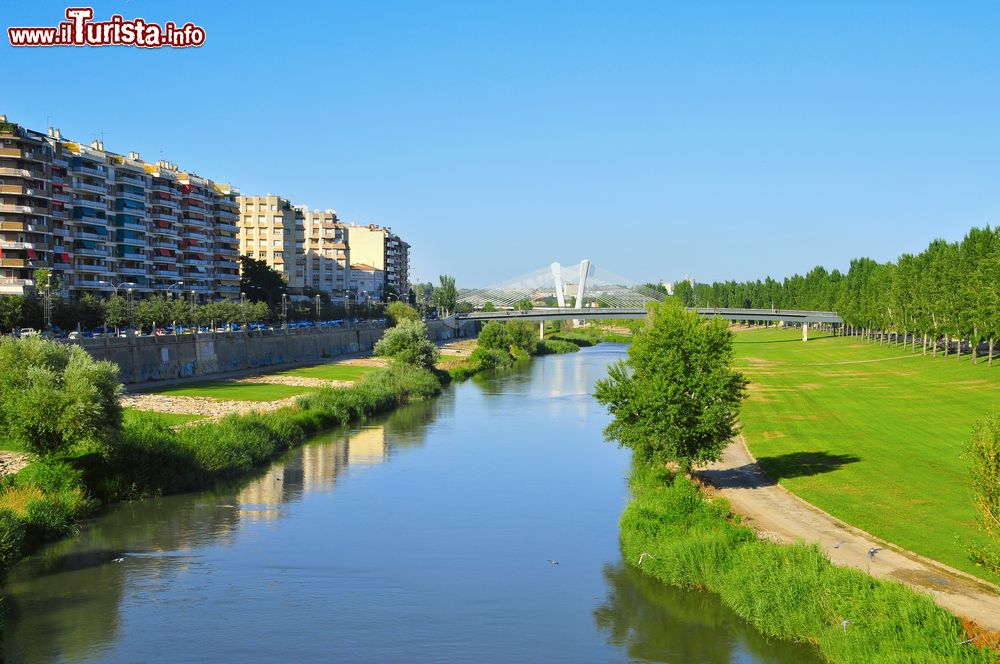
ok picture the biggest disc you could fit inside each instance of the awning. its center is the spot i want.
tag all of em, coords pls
(164, 252)
(65, 257)
(201, 257)
(163, 224)
(32, 254)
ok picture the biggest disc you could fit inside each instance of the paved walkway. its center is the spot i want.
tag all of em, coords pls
(779, 515)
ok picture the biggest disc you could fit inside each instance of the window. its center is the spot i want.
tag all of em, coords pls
(277, 243)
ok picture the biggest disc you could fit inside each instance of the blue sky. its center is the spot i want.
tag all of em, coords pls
(658, 139)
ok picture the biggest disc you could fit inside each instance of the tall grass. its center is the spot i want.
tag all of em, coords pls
(790, 592)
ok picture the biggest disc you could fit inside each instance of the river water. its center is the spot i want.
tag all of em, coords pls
(425, 536)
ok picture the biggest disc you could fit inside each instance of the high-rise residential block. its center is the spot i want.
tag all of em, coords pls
(326, 252)
(385, 251)
(102, 220)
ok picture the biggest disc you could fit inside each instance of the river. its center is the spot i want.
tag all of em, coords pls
(425, 536)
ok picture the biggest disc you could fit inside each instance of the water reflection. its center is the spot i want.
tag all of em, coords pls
(63, 603)
(653, 622)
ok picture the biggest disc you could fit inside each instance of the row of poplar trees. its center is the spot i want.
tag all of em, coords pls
(945, 296)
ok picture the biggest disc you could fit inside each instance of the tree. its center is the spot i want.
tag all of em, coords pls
(523, 304)
(54, 395)
(260, 281)
(677, 396)
(983, 451)
(684, 291)
(446, 295)
(488, 307)
(495, 336)
(523, 335)
(407, 342)
(115, 311)
(11, 307)
(400, 311)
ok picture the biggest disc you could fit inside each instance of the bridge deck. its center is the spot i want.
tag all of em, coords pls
(542, 314)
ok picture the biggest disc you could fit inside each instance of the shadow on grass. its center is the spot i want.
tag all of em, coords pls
(804, 464)
(769, 470)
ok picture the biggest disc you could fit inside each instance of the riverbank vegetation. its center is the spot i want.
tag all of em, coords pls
(86, 454)
(674, 401)
(873, 435)
(672, 532)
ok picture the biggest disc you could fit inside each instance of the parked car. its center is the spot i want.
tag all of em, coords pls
(27, 332)
(75, 335)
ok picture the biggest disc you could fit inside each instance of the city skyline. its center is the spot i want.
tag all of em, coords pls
(716, 136)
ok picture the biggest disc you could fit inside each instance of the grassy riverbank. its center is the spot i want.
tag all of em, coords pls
(672, 532)
(150, 458)
(871, 434)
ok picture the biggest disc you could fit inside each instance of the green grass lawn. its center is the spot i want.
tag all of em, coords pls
(233, 391)
(351, 372)
(873, 435)
(170, 419)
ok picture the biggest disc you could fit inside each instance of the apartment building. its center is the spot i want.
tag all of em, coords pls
(271, 231)
(326, 252)
(366, 281)
(383, 250)
(102, 220)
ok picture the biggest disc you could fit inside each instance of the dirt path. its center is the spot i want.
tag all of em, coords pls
(781, 516)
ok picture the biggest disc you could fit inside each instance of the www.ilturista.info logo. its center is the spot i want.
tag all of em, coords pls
(81, 30)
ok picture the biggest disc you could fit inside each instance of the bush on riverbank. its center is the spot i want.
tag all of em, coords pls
(790, 592)
(148, 458)
(556, 347)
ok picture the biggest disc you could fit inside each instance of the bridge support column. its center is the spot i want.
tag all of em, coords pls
(541, 330)
(805, 331)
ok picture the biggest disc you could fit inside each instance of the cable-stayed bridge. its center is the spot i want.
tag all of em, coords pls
(586, 292)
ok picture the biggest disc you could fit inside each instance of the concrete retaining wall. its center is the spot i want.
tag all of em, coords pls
(143, 359)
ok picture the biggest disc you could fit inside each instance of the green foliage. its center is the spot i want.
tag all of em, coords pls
(790, 592)
(54, 395)
(49, 476)
(523, 304)
(983, 451)
(12, 534)
(555, 347)
(115, 311)
(677, 397)
(495, 336)
(489, 307)
(489, 359)
(400, 311)
(260, 281)
(407, 342)
(523, 335)
(446, 295)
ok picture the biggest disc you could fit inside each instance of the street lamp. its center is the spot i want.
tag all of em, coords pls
(317, 308)
(174, 285)
(115, 287)
(194, 294)
(284, 310)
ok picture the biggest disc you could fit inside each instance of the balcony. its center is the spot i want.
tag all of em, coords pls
(223, 288)
(197, 236)
(18, 172)
(18, 153)
(164, 216)
(62, 232)
(62, 197)
(90, 251)
(165, 273)
(87, 186)
(130, 178)
(60, 161)
(87, 235)
(14, 286)
(224, 226)
(232, 264)
(130, 195)
(20, 209)
(92, 268)
(132, 270)
(83, 282)
(87, 169)
(88, 203)
(12, 262)
(136, 241)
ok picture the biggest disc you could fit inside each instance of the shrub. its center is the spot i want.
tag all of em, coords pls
(983, 451)
(407, 342)
(555, 347)
(494, 336)
(523, 335)
(11, 539)
(55, 395)
(52, 515)
(398, 311)
(488, 359)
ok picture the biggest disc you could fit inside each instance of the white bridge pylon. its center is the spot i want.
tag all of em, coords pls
(555, 285)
